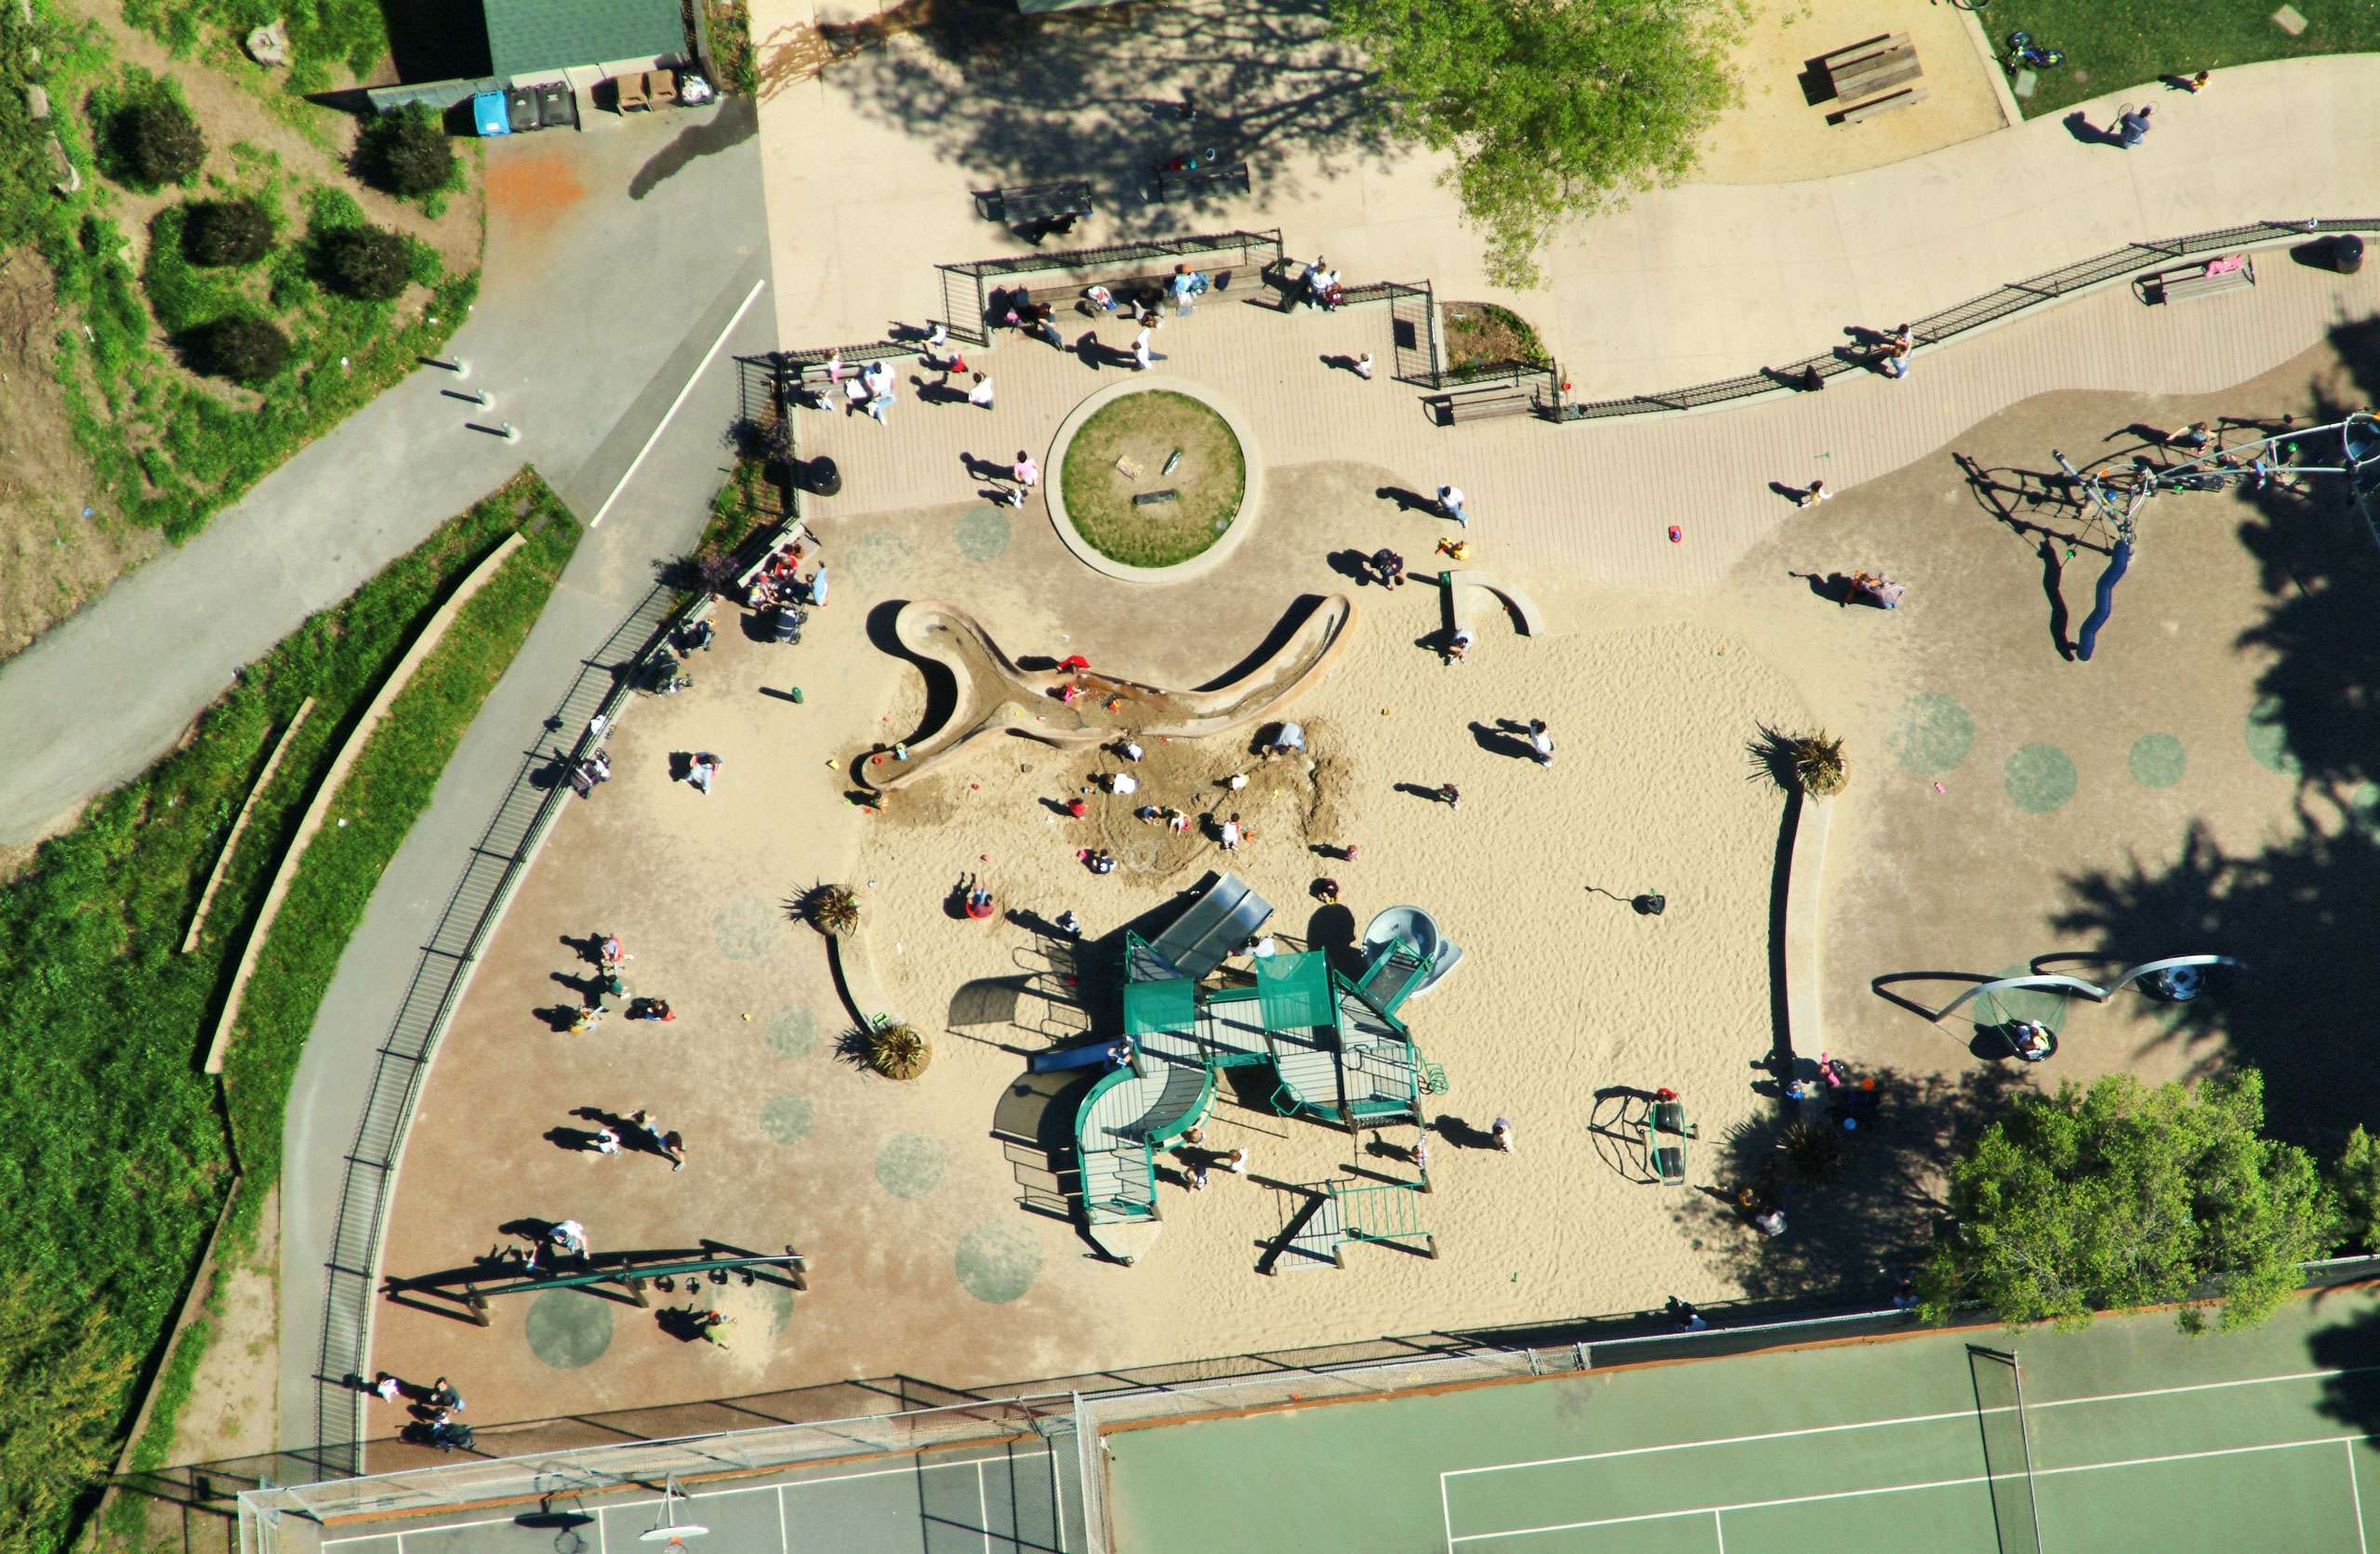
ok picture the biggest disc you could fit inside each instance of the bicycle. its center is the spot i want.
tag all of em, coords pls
(2023, 53)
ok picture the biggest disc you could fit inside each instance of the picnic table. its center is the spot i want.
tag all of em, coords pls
(1028, 204)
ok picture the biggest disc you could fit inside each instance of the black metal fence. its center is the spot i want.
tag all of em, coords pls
(1976, 314)
(494, 867)
(967, 288)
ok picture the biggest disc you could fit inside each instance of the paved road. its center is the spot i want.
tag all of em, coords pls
(601, 289)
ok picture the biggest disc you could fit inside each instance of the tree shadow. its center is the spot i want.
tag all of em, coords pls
(1075, 88)
(2299, 906)
(1873, 1214)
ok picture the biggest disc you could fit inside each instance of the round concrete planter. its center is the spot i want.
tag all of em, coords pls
(1251, 490)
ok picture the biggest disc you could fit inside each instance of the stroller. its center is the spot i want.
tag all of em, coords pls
(663, 676)
(785, 623)
(595, 768)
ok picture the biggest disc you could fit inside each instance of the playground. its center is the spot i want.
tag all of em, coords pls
(938, 1218)
(2124, 1435)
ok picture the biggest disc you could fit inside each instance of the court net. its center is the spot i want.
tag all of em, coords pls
(2007, 1447)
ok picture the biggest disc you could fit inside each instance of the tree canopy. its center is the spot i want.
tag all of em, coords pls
(2124, 1195)
(1555, 109)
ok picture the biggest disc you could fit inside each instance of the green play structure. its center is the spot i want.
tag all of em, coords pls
(1337, 1052)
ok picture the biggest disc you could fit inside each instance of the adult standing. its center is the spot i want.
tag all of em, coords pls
(1451, 505)
(980, 396)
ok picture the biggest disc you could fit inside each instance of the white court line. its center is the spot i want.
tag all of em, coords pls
(2199, 1386)
(1719, 1441)
(1719, 1527)
(707, 1494)
(983, 1507)
(2361, 1541)
(1904, 1489)
(1719, 1510)
(1910, 1419)
(637, 462)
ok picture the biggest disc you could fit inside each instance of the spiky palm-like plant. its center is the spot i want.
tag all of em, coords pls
(897, 1051)
(1819, 765)
(833, 909)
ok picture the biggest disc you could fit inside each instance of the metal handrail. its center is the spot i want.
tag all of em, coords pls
(1978, 312)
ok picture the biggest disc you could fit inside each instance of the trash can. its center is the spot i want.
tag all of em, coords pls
(2346, 252)
(820, 478)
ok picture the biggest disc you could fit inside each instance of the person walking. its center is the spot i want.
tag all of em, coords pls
(387, 1388)
(1363, 366)
(939, 340)
(1185, 289)
(605, 1141)
(1451, 505)
(1450, 795)
(1025, 471)
(1142, 357)
(1540, 744)
(980, 396)
(2132, 126)
(1501, 1134)
(1236, 1163)
(704, 767)
(569, 1238)
(1816, 494)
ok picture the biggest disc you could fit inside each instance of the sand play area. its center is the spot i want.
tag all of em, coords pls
(2004, 802)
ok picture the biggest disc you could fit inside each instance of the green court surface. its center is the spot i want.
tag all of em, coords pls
(2130, 1436)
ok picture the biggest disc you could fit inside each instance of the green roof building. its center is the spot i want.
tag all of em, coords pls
(534, 37)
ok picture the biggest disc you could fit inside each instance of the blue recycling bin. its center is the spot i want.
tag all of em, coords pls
(488, 115)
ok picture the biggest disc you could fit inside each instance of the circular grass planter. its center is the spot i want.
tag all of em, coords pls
(1115, 446)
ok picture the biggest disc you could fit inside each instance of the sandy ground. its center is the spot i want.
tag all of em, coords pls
(928, 1258)
(1778, 135)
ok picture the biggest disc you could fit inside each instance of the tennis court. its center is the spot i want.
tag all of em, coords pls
(1017, 1498)
(2128, 1436)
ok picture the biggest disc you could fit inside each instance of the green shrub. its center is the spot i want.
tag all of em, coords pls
(407, 152)
(245, 348)
(158, 143)
(226, 231)
(369, 262)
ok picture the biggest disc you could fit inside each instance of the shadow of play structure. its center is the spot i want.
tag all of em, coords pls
(1336, 1050)
(996, 696)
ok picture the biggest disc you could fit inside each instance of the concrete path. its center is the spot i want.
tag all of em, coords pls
(1588, 503)
(656, 516)
(614, 259)
(1690, 284)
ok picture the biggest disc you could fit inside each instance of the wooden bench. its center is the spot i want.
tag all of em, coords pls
(1874, 105)
(1482, 404)
(1128, 289)
(1870, 66)
(1188, 182)
(1028, 204)
(2188, 283)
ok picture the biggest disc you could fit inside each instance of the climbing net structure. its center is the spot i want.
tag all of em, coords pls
(2114, 496)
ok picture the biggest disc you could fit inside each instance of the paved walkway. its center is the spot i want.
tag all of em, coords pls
(1689, 284)
(658, 514)
(1587, 502)
(583, 350)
